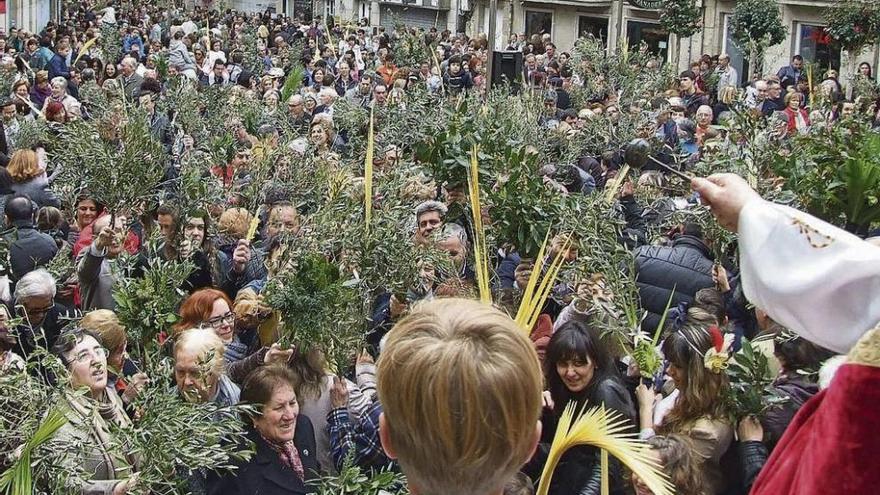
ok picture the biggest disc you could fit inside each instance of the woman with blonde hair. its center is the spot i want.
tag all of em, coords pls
(727, 97)
(322, 137)
(696, 367)
(28, 173)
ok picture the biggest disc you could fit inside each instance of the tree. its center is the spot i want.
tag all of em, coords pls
(682, 17)
(853, 25)
(755, 26)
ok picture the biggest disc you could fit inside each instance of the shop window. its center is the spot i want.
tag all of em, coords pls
(539, 22)
(738, 59)
(595, 26)
(652, 35)
(814, 44)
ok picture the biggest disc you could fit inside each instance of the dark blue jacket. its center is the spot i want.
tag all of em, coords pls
(685, 266)
(58, 67)
(28, 249)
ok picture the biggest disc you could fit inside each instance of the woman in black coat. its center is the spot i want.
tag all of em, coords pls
(578, 368)
(284, 462)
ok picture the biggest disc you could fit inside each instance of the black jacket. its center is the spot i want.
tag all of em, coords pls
(264, 474)
(579, 469)
(28, 249)
(753, 456)
(4, 147)
(686, 267)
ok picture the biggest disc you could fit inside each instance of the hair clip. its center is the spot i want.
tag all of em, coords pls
(717, 358)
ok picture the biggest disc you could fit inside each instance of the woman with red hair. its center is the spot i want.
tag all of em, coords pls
(212, 308)
(55, 112)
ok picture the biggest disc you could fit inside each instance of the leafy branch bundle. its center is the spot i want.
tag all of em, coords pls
(18, 480)
(604, 72)
(147, 305)
(523, 209)
(319, 308)
(836, 175)
(116, 156)
(30, 458)
(174, 437)
(352, 480)
(751, 391)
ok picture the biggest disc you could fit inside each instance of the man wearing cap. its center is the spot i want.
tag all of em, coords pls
(296, 112)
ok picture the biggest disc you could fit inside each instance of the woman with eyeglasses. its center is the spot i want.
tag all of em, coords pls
(212, 308)
(91, 417)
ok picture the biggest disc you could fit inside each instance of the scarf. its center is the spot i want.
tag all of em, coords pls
(235, 351)
(288, 454)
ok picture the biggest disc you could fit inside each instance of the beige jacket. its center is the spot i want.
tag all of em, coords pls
(711, 439)
(97, 453)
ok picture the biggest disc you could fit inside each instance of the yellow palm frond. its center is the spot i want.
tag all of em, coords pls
(368, 174)
(480, 251)
(607, 431)
(543, 292)
(85, 48)
(616, 183)
(252, 228)
(528, 293)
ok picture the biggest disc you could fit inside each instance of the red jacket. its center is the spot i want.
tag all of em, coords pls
(792, 120)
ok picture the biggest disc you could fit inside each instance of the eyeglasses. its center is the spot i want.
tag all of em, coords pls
(85, 355)
(219, 321)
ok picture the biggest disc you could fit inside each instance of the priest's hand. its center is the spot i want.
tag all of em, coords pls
(726, 194)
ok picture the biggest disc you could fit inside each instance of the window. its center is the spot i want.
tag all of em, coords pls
(738, 60)
(814, 44)
(652, 35)
(329, 8)
(598, 27)
(538, 22)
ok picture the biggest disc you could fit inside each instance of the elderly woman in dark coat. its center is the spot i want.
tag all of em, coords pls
(285, 461)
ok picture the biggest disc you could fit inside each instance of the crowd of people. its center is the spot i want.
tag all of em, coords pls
(463, 401)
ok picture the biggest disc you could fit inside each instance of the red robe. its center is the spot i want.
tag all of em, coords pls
(832, 443)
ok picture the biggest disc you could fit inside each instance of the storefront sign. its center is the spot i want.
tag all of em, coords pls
(646, 4)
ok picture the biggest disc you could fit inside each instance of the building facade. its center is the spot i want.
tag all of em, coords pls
(31, 15)
(442, 14)
(621, 23)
